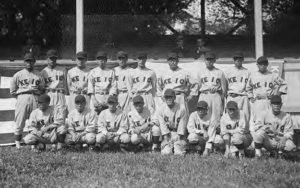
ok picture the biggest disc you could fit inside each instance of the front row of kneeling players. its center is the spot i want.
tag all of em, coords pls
(170, 125)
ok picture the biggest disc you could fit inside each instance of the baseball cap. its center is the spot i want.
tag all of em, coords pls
(172, 55)
(276, 99)
(101, 54)
(81, 55)
(210, 55)
(137, 99)
(43, 98)
(112, 99)
(29, 57)
(262, 60)
(79, 99)
(232, 105)
(202, 104)
(142, 55)
(52, 53)
(122, 54)
(238, 55)
(169, 93)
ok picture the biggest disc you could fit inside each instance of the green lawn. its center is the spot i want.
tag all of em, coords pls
(77, 169)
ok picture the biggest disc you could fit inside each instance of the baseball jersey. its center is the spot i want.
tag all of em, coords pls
(101, 81)
(39, 119)
(172, 119)
(265, 84)
(55, 78)
(281, 124)
(26, 81)
(236, 125)
(178, 80)
(122, 78)
(237, 80)
(112, 122)
(85, 121)
(142, 80)
(212, 79)
(139, 120)
(78, 79)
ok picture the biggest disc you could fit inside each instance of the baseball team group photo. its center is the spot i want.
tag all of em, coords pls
(140, 108)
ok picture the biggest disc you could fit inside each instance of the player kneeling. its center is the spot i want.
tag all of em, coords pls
(235, 131)
(46, 126)
(81, 124)
(273, 130)
(143, 131)
(113, 127)
(202, 130)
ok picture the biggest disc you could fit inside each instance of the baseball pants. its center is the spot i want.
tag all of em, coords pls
(71, 103)
(146, 137)
(197, 139)
(215, 104)
(238, 139)
(26, 103)
(148, 100)
(57, 99)
(258, 106)
(271, 143)
(124, 101)
(47, 138)
(174, 143)
(243, 104)
(88, 138)
(120, 139)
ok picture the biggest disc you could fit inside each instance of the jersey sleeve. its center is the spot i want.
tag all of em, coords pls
(66, 82)
(242, 124)
(70, 122)
(162, 124)
(91, 84)
(288, 127)
(191, 124)
(224, 84)
(154, 84)
(14, 85)
(181, 128)
(160, 87)
(113, 88)
(249, 88)
(123, 124)
(91, 122)
(101, 124)
(69, 82)
(223, 125)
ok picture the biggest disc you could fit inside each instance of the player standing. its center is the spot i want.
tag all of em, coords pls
(25, 85)
(78, 80)
(142, 81)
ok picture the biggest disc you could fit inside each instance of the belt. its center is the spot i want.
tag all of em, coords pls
(178, 92)
(262, 97)
(29, 92)
(122, 91)
(84, 92)
(102, 93)
(141, 92)
(56, 90)
(235, 95)
(210, 92)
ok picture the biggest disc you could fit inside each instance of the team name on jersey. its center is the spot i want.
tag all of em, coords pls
(177, 80)
(57, 77)
(235, 79)
(262, 84)
(117, 78)
(105, 79)
(76, 79)
(141, 79)
(210, 79)
(26, 82)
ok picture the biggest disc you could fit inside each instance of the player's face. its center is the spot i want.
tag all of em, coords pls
(231, 112)
(210, 63)
(80, 106)
(276, 107)
(173, 63)
(238, 62)
(202, 112)
(102, 62)
(43, 105)
(81, 62)
(139, 107)
(112, 106)
(29, 64)
(122, 61)
(51, 62)
(142, 62)
(262, 67)
(170, 100)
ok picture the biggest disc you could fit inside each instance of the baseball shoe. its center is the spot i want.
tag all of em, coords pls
(53, 148)
(206, 152)
(155, 148)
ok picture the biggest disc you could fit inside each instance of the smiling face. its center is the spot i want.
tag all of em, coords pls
(170, 100)
(173, 63)
(202, 112)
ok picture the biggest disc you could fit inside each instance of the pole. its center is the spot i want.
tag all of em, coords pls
(79, 25)
(259, 50)
(202, 18)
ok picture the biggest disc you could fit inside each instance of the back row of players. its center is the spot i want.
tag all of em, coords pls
(143, 108)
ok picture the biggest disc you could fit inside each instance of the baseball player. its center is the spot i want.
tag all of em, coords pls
(202, 130)
(237, 79)
(212, 86)
(177, 79)
(262, 85)
(101, 82)
(141, 128)
(46, 125)
(25, 85)
(113, 126)
(77, 79)
(81, 124)
(273, 129)
(235, 131)
(172, 119)
(142, 81)
(55, 80)
(121, 75)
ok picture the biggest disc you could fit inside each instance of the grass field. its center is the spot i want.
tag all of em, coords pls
(89, 169)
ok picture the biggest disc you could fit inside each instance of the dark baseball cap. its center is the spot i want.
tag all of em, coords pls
(137, 99)
(29, 57)
(52, 53)
(169, 93)
(172, 55)
(276, 99)
(122, 54)
(202, 104)
(262, 60)
(238, 55)
(43, 98)
(101, 54)
(142, 55)
(112, 99)
(210, 55)
(80, 99)
(81, 55)
(232, 105)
